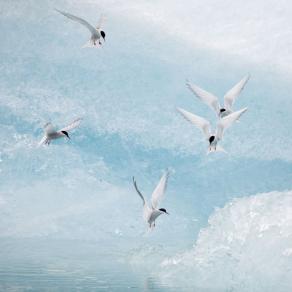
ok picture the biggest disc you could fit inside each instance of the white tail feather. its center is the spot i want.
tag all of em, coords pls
(217, 149)
(90, 44)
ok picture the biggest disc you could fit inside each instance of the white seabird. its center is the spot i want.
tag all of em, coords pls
(213, 102)
(151, 212)
(96, 32)
(52, 134)
(205, 126)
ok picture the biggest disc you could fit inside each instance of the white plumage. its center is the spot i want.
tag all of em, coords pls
(151, 212)
(205, 126)
(52, 134)
(96, 32)
(213, 102)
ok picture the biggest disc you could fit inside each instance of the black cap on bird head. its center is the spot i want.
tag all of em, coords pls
(163, 210)
(102, 34)
(222, 110)
(66, 134)
(211, 139)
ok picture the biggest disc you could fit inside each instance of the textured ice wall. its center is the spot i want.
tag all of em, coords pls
(127, 92)
(247, 246)
(143, 69)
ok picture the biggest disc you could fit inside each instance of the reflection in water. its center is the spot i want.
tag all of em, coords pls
(65, 266)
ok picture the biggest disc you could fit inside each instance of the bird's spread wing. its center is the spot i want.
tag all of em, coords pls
(49, 128)
(233, 93)
(72, 126)
(78, 19)
(138, 191)
(159, 191)
(227, 121)
(100, 21)
(43, 141)
(199, 122)
(205, 96)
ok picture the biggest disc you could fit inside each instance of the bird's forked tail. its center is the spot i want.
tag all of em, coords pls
(90, 44)
(217, 149)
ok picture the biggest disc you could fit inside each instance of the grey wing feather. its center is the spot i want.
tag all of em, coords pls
(43, 141)
(137, 190)
(234, 92)
(49, 128)
(198, 121)
(228, 121)
(100, 21)
(72, 126)
(159, 191)
(206, 97)
(78, 19)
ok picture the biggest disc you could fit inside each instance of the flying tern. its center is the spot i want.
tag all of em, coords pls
(96, 32)
(213, 102)
(205, 126)
(151, 211)
(52, 134)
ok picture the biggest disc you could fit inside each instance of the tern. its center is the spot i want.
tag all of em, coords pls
(205, 126)
(52, 134)
(96, 32)
(213, 102)
(151, 212)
